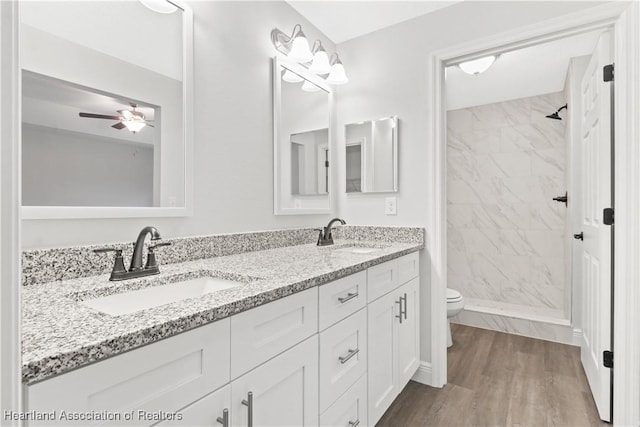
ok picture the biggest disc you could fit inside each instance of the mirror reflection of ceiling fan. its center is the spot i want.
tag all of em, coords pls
(130, 119)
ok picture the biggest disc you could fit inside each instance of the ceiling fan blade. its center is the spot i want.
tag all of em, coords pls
(151, 126)
(119, 125)
(99, 116)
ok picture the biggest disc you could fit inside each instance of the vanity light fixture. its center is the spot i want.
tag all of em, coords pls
(316, 60)
(307, 86)
(320, 63)
(337, 75)
(160, 6)
(477, 66)
(291, 77)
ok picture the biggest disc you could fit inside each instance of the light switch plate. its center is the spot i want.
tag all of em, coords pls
(390, 206)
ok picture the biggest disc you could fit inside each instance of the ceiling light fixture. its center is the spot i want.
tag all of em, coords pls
(134, 124)
(316, 60)
(477, 66)
(160, 6)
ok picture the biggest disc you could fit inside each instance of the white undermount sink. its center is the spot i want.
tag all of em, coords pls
(155, 296)
(358, 249)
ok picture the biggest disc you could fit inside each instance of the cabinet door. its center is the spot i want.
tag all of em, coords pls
(383, 364)
(204, 412)
(284, 390)
(409, 332)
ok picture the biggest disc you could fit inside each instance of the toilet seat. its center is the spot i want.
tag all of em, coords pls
(453, 295)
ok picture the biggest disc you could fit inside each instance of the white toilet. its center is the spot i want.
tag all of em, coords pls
(455, 304)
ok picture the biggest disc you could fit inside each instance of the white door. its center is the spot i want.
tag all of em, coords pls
(596, 246)
(281, 392)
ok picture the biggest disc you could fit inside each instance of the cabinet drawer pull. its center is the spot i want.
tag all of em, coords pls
(224, 419)
(249, 404)
(350, 354)
(405, 306)
(399, 315)
(355, 423)
(350, 295)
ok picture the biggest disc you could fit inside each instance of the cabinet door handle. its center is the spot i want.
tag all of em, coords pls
(355, 423)
(399, 302)
(405, 306)
(224, 419)
(249, 404)
(350, 295)
(350, 354)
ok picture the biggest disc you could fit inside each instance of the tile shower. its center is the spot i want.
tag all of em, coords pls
(506, 236)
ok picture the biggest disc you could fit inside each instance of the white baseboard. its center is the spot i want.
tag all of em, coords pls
(577, 337)
(423, 374)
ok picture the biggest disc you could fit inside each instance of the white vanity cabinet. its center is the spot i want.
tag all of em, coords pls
(393, 336)
(337, 354)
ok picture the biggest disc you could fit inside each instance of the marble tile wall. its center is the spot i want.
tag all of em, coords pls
(505, 163)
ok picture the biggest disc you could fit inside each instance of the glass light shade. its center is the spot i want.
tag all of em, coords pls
(337, 75)
(160, 6)
(300, 51)
(134, 125)
(291, 77)
(307, 86)
(320, 64)
(477, 66)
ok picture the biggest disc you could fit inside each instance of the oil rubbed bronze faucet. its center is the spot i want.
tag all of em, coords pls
(119, 272)
(325, 238)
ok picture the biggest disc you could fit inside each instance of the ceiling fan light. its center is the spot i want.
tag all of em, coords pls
(160, 6)
(291, 77)
(134, 125)
(307, 86)
(477, 66)
(337, 75)
(300, 51)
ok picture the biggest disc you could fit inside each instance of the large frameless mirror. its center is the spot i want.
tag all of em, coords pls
(106, 109)
(372, 156)
(302, 140)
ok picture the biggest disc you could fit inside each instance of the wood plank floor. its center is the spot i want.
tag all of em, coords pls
(498, 379)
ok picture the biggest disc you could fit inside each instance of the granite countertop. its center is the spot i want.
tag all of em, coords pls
(59, 333)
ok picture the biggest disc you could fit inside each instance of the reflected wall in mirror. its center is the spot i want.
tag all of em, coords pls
(302, 129)
(372, 156)
(105, 109)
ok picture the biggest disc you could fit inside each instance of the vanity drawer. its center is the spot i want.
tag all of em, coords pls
(343, 357)
(381, 279)
(164, 376)
(341, 298)
(263, 332)
(408, 267)
(350, 409)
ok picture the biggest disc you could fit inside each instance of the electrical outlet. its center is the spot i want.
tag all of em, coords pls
(390, 206)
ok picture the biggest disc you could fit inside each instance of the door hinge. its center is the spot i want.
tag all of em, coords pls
(326, 163)
(607, 357)
(607, 216)
(608, 73)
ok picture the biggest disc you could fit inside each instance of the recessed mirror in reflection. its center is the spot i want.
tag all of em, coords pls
(372, 156)
(103, 102)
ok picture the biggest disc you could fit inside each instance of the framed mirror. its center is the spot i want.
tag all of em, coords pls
(302, 112)
(106, 109)
(371, 155)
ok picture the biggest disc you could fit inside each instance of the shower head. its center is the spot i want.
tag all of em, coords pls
(556, 116)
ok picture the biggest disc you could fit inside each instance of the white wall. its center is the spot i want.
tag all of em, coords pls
(389, 71)
(65, 168)
(233, 154)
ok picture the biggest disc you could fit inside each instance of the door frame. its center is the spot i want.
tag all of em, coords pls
(624, 18)
(10, 353)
